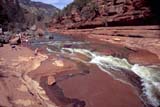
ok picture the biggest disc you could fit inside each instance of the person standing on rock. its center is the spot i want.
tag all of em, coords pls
(1, 31)
(36, 51)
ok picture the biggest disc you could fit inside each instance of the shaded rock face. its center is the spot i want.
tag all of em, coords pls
(97, 13)
(21, 14)
(154, 6)
(37, 12)
(10, 12)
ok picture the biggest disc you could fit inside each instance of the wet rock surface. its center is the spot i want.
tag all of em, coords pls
(78, 82)
(98, 67)
(69, 77)
(149, 40)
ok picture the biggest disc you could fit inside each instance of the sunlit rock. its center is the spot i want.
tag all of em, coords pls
(51, 80)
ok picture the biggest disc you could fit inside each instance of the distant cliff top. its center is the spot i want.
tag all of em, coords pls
(38, 4)
(39, 9)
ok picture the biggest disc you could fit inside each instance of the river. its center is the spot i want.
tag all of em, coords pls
(87, 87)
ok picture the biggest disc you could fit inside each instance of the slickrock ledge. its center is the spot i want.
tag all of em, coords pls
(16, 87)
(132, 37)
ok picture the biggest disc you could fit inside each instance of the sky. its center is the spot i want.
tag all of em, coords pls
(58, 3)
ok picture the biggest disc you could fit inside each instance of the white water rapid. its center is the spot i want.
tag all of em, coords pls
(150, 77)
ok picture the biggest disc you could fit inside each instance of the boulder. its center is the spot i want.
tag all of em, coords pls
(15, 41)
(51, 80)
(51, 37)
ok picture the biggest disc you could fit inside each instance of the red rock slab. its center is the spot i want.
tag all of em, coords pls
(143, 57)
(98, 89)
(47, 68)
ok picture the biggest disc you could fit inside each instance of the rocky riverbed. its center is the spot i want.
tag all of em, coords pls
(76, 71)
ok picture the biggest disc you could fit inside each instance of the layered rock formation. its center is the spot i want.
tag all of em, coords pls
(97, 13)
(88, 19)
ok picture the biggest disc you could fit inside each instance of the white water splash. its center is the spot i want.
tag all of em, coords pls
(49, 50)
(151, 83)
(149, 76)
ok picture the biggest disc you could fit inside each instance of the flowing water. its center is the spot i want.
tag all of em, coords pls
(145, 78)
(150, 77)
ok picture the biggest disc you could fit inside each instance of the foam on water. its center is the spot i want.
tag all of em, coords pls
(49, 50)
(150, 77)
(151, 83)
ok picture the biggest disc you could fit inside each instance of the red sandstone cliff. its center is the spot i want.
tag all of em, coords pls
(97, 13)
